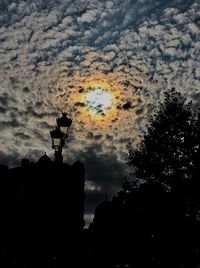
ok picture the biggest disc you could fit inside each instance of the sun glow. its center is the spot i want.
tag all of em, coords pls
(98, 100)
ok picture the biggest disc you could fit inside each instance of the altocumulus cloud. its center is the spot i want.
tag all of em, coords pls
(48, 48)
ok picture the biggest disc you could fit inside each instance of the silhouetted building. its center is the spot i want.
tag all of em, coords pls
(42, 209)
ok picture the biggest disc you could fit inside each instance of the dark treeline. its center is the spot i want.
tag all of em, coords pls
(154, 221)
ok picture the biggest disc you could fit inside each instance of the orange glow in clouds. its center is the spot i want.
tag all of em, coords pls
(97, 98)
(104, 107)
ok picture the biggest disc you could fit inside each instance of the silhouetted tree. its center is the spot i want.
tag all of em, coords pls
(165, 152)
(196, 145)
(194, 202)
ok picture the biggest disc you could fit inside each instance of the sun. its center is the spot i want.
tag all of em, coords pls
(98, 100)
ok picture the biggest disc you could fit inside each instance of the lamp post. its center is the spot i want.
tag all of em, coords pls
(59, 134)
(64, 124)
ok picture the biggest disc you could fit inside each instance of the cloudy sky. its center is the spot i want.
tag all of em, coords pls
(52, 53)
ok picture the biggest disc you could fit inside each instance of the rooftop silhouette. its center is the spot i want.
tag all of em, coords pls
(42, 207)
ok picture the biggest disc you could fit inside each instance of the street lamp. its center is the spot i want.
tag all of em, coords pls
(57, 138)
(64, 124)
(59, 134)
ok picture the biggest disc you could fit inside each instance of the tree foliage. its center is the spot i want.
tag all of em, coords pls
(166, 151)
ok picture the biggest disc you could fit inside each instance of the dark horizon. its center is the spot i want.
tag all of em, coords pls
(126, 54)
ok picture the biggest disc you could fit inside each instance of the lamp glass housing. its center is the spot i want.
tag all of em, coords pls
(64, 130)
(56, 143)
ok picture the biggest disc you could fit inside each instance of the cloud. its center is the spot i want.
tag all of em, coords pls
(104, 174)
(48, 49)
